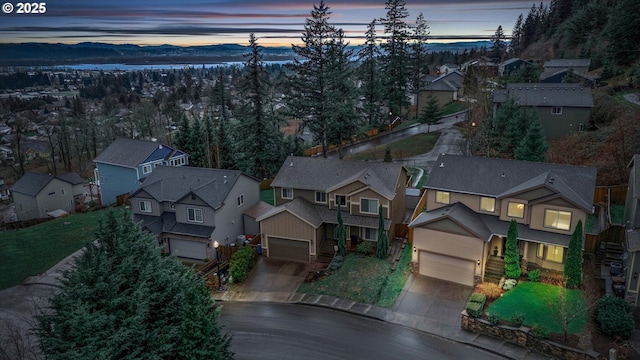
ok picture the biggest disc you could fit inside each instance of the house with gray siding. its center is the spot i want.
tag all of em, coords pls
(125, 163)
(631, 256)
(307, 192)
(470, 202)
(562, 109)
(189, 208)
(36, 194)
(445, 88)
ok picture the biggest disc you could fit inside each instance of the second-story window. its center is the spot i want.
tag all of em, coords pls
(287, 193)
(341, 200)
(240, 200)
(487, 204)
(369, 206)
(146, 169)
(515, 209)
(145, 206)
(321, 197)
(556, 110)
(195, 215)
(443, 197)
(557, 219)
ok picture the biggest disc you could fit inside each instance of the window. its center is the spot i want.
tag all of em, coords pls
(515, 209)
(369, 206)
(581, 127)
(550, 253)
(369, 234)
(172, 206)
(145, 206)
(240, 200)
(487, 204)
(557, 219)
(146, 169)
(321, 197)
(195, 215)
(341, 200)
(177, 161)
(63, 191)
(556, 110)
(287, 193)
(442, 197)
(52, 193)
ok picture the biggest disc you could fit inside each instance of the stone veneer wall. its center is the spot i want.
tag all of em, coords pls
(522, 337)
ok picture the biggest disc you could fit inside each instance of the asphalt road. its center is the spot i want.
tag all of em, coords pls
(292, 331)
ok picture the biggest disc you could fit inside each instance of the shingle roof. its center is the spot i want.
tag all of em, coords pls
(32, 183)
(567, 63)
(321, 174)
(503, 177)
(170, 183)
(167, 224)
(546, 94)
(440, 85)
(130, 152)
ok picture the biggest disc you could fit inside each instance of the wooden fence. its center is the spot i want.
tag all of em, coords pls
(617, 194)
(265, 184)
(614, 234)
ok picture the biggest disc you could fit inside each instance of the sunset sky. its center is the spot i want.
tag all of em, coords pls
(275, 23)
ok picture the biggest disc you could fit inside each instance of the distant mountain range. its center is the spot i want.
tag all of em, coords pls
(42, 54)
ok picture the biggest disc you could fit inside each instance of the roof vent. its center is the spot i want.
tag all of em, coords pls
(502, 175)
(551, 180)
(225, 179)
(441, 164)
(291, 163)
(160, 146)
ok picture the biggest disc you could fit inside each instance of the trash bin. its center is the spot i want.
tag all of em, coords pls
(259, 249)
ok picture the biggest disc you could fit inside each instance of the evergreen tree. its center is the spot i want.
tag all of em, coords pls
(516, 37)
(498, 44)
(224, 151)
(197, 144)
(369, 75)
(573, 264)
(418, 60)
(431, 113)
(383, 239)
(341, 234)
(181, 140)
(394, 68)
(623, 31)
(511, 257)
(123, 300)
(533, 146)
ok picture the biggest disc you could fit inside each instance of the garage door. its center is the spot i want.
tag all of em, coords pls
(188, 249)
(294, 250)
(447, 268)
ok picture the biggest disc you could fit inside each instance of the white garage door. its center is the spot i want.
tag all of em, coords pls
(188, 249)
(294, 250)
(447, 268)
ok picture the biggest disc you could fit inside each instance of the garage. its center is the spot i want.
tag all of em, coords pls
(188, 249)
(447, 268)
(294, 250)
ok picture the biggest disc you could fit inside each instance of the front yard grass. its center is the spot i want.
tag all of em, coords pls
(407, 147)
(33, 250)
(617, 214)
(396, 280)
(267, 196)
(537, 302)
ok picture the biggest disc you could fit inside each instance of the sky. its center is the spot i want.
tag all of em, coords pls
(206, 22)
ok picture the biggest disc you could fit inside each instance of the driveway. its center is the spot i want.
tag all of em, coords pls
(275, 276)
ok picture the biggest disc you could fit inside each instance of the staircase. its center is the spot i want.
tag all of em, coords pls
(607, 253)
(327, 250)
(494, 270)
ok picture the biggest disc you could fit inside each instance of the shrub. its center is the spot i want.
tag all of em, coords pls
(493, 319)
(509, 284)
(553, 279)
(364, 248)
(517, 319)
(540, 331)
(474, 309)
(241, 263)
(490, 290)
(534, 275)
(479, 298)
(614, 316)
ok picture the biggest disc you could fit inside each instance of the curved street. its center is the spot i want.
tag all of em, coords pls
(292, 331)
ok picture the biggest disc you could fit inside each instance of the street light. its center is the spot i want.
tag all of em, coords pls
(216, 244)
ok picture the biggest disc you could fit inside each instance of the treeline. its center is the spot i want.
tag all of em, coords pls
(21, 80)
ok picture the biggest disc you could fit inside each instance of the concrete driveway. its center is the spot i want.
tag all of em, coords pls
(275, 276)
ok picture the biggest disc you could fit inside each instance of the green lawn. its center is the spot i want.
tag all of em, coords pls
(396, 280)
(453, 107)
(360, 279)
(537, 302)
(617, 214)
(267, 196)
(33, 250)
(407, 147)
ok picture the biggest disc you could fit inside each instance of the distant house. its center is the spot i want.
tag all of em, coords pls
(470, 202)
(6, 153)
(307, 191)
(482, 64)
(561, 108)
(35, 195)
(123, 165)
(508, 66)
(35, 149)
(579, 66)
(447, 68)
(445, 88)
(4, 190)
(189, 208)
(631, 256)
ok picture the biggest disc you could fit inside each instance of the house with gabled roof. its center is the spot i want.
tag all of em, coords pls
(35, 195)
(125, 163)
(307, 192)
(561, 108)
(511, 65)
(445, 88)
(470, 202)
(631, 245)
(189, 208)
(579, 66)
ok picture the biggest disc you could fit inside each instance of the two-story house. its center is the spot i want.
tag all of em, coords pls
(561, 108)
(36, 194)
(122, 166)
(189, 208)
(470, 202)
(445, 88)
(631, 256)
(512, 65)
(307, 193)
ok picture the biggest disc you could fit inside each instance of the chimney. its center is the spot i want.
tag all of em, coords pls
(441, 164)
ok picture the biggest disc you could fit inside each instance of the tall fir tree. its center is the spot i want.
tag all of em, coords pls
(382, 246)
(431, 113)
(122, 299)
(533, 146)
(418, 56)
(181, 140)
(573, 263)
(498, 44)
(369, 76)
(394, 68)
(341, 233)
(623, 31)
(511, 257)
(516, 38)
(197, 144)
(224, 153)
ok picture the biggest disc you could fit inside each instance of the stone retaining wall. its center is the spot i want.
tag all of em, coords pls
(522, 336)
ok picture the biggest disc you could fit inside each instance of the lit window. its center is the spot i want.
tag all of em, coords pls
(146, 169)
(556, 110)
(443, 197)
(195, 215)
(369, 234)
(515, 209)
(287, 193)
(550, 253)
(369, 206)
(581, 127)
(145, 206)
(240, 200)
(557, 219)
(321, 197)
(487, 204)
(341, 200)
